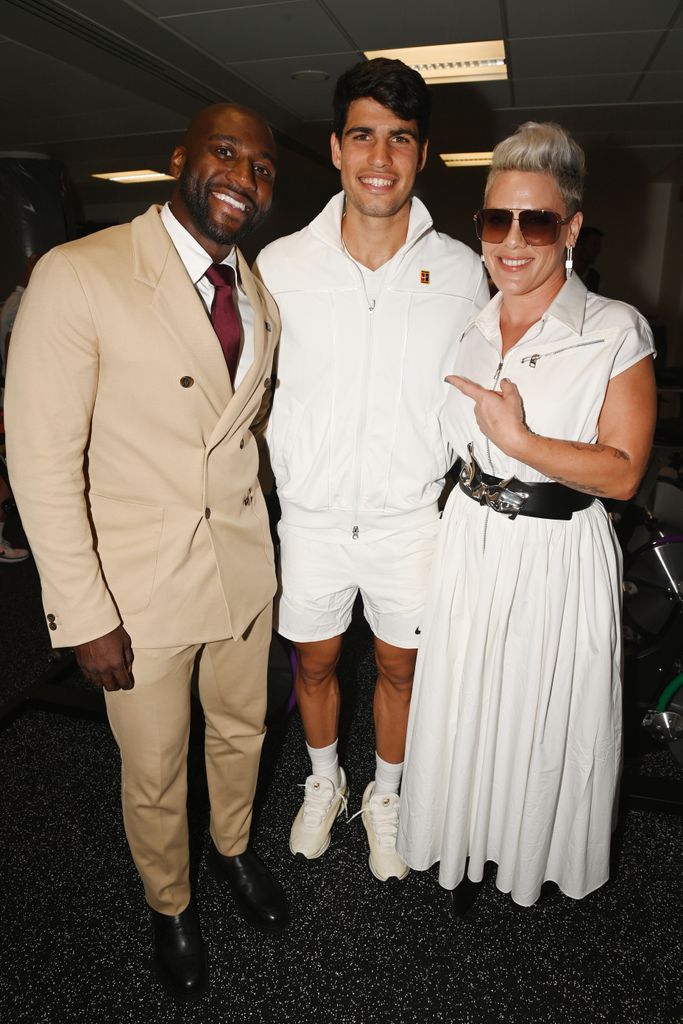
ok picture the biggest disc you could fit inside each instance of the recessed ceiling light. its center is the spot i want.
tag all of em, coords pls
(309, 75)
(452, 62)
(466, 159)
(134, 177)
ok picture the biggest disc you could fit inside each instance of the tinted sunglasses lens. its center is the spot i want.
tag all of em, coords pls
(539, 227)
(493, 225)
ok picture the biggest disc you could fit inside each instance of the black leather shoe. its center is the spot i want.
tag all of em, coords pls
(260, 899)
(179, 959)
(549, 891)
(464, 896)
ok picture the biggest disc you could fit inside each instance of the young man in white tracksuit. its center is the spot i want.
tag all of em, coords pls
(373, 301)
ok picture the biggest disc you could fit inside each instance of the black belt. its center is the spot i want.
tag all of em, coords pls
(514, 497)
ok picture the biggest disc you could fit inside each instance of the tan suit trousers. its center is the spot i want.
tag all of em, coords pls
(151, 725)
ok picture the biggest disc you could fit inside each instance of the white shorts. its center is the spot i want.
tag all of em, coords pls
(320, 581)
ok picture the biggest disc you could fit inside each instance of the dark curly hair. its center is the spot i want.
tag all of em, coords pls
(389, 82)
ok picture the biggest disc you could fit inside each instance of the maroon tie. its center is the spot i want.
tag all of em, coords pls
(224, 317)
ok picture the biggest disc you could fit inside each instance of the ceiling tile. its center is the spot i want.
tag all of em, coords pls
(311, 101)
(660, 88)
(58, 101)
(533, 18)
(623, 53)
(670, 57)
(298, 27)
(574, 89)
(174, 8)
(380, 25)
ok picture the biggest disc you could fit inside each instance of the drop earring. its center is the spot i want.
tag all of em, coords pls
(569, 262)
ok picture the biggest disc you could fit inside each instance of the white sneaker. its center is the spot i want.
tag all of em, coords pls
(380, 817)
(10, 554)
(310, 835)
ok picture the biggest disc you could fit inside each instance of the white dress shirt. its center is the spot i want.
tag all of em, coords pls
(197, 261)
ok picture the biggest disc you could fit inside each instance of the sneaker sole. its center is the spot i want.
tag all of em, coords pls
(386, 878)
(300, 855)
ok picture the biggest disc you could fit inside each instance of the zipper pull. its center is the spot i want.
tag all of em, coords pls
(371, 306)
(500, 367)
(533, 360)
(354, 533)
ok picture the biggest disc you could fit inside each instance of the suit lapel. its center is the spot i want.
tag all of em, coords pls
(253, 379)
(176, 302)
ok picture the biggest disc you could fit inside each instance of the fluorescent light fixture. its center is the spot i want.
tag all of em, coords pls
(452, 62)
(466, 159)
(134, 177)
(309, 75)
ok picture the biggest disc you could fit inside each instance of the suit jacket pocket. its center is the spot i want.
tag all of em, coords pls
(128, 536)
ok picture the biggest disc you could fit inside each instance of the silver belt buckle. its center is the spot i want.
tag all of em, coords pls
(496, 496)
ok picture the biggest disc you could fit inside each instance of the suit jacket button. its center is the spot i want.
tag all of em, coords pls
(53, 625)
(186, 382)
(242, 443)
(207, 513)
(268, 382)
(50, 618)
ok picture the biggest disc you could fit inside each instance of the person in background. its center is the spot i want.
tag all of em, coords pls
(135, 470)
(372, 300)
(10, 308)
(586, 252)
(8, 553)
(514, 742)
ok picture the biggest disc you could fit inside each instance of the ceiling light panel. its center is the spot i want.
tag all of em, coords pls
(482, 159)
(134, 177)
(452, 62)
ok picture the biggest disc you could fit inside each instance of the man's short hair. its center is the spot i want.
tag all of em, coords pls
(389, 82)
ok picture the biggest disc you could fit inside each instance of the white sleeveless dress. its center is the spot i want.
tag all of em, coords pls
(514, 739)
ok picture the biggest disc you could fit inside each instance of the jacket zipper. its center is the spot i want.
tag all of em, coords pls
(360, 432)
(355, 530)
(532, 360)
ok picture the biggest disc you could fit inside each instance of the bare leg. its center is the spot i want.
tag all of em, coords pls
(395, 668)
(317, 690)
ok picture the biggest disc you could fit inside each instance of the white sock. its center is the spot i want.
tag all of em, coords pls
(387, 776)
(325, 762)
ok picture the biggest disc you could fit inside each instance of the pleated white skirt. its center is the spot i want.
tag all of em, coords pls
(514, 739)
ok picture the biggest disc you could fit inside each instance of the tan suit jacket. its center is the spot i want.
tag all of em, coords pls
(131, 459)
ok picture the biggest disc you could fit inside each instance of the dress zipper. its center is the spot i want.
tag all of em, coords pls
(487, 511)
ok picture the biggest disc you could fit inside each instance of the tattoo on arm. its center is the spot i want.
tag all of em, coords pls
(584, 488)
(580, 446)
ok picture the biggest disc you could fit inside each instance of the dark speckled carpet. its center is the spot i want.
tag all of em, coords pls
(74, 936)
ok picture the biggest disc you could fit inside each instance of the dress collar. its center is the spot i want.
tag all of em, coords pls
(568, 307)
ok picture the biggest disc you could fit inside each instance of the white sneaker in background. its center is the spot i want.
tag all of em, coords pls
(310, 835)
(10, 554)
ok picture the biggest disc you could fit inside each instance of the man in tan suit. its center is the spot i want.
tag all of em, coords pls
(134, 467)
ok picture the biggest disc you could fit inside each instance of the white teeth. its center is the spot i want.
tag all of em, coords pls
(377, 182)
(513, 263)
(230, 201)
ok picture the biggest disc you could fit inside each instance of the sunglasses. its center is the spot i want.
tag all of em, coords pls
(538, 227)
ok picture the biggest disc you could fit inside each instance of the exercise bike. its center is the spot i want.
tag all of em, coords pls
(653, 621)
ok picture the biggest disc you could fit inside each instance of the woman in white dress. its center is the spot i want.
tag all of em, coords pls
(514, 742)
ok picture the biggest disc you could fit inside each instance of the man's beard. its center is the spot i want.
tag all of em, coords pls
(196, 199)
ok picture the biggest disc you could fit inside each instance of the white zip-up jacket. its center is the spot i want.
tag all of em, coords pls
(355, 439)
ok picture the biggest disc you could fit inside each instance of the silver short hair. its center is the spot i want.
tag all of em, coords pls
(544, 148)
